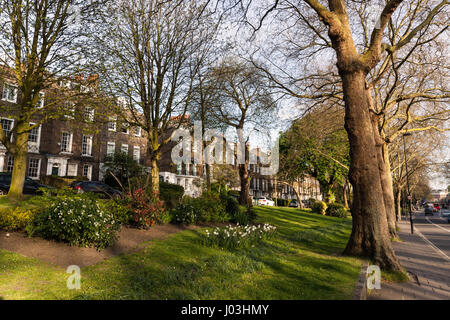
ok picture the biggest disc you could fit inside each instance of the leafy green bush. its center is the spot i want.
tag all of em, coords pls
(208, 207)
(14, 219)
(184, 214)
(241, 217)
(230, 203)
(78, 220)
(121, 212)
(336, 210)
(282, 202)
(245, 216)
(238, 237)
(319, 207)
(234, 193)
(251, 213)
(171, 194)
(123, 167)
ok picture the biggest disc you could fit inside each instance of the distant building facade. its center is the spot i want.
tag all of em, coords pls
(76, 143)
(439, 195)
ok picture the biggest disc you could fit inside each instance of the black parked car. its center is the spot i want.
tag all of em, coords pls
(30, 186)
(100, 188)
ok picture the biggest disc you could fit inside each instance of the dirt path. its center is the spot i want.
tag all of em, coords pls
(60, 254)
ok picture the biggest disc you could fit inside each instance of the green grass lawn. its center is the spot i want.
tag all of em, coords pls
(301, 262)
(27, 202)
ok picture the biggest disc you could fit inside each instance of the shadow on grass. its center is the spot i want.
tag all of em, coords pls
(321, 234)
(290, 266)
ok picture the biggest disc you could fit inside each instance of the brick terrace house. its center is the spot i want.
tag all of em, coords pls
(73, 144)
(270, 187)
(77, 142)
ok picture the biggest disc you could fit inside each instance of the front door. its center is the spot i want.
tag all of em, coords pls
(55, 169)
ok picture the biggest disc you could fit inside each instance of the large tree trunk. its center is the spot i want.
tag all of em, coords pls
(244, 196)
(370, 233)
(297, 194)
(20, 164)
(154, 154)
(389, 193)
(398, 203)
(208, 177)
(385, 174)
(344, 194)
(388, 198)
(154, 183)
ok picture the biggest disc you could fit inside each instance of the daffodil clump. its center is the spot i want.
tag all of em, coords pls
(239, 236)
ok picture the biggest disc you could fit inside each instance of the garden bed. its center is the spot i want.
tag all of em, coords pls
(61, 254)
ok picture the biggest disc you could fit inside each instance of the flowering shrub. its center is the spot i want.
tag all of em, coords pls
(146, 210)
(78, 220)
(238, 236)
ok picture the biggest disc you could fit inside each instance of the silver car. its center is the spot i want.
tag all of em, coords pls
(445, 212)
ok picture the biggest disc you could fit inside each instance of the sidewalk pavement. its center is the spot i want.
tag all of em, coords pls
(429, 271)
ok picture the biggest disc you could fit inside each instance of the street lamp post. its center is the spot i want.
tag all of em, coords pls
(407, 184)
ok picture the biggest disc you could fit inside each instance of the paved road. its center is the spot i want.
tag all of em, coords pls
(426, 257)
(436, 230)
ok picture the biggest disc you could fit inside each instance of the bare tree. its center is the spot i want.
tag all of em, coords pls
(243, 103)
(318, 30)
(149, 53)
(225, 175)
(420, 155)
(394, 82)
(204, 94)
(40, 43)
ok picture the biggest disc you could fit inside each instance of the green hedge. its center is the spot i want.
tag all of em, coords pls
(15, 216)
(336, 210)
(282, 202)
(185, 214)
(171, 194)
(209, 207)
(319, 207)
(15, 219)
(60, 182)
(235, 193)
